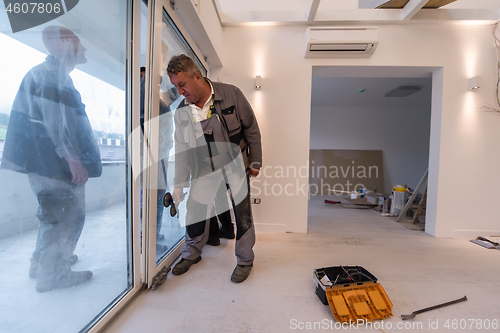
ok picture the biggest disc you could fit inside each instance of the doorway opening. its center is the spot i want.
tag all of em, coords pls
(371, 128)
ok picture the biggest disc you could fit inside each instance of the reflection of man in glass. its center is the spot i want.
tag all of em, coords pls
(218, 144)
(50, 138)
(166, 142)
(168, 95)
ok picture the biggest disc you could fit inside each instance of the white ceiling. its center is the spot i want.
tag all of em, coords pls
(266, 5)
(339, 86)
(330, 12)
(344, 92)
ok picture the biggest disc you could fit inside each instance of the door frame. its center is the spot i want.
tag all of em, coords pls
(151, 110)
(133, 152)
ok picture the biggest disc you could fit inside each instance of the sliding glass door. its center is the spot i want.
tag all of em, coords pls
(165, 233)
(87, 154)
(66, 231)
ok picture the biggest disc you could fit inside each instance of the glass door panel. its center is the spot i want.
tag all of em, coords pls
(65, 221)
(168, 38)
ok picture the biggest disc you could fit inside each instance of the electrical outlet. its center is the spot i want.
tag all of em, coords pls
(255, 201)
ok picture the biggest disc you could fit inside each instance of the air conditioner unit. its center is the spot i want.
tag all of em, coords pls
(323, 42)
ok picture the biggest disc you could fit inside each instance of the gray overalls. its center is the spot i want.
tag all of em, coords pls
(214, 163)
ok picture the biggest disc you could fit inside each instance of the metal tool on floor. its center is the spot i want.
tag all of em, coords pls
(331, 202)
(410, 316)
(484, 242)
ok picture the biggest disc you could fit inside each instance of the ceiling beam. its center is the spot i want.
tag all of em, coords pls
(359, 16)
(411, 8)
(313, 9)
(216, 5)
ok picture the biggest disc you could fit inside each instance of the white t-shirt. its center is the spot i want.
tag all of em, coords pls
(201, 114)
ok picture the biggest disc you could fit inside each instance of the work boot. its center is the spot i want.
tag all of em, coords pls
(183, 265)
(34, 265)
(71, 279)
(213, 241)
(241, 272)
(64, 280)
(226, 233)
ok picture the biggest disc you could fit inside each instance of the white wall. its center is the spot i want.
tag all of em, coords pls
(282, 108)
(401, 134)
(464, 141)
(202, 23)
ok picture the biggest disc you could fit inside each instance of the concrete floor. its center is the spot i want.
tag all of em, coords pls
(415, 269)
(101, 249)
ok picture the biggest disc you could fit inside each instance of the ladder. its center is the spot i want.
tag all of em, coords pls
(413, 196)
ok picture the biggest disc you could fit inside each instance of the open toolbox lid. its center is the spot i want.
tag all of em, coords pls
(352, 293)
(367, 302)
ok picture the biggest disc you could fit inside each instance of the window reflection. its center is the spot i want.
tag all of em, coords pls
(169, 229)
(50, 139)
(63, 222)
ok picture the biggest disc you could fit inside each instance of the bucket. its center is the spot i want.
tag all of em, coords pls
(398, 200)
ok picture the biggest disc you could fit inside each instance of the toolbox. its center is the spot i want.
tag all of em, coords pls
(352, 293)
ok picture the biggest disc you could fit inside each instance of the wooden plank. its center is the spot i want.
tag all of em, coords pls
(420, 207)
(393, 4)
(335, 172)
(438, 3)
(414, 195)
(399, 4)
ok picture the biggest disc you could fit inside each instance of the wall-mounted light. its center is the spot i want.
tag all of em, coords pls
(258, 82)
(474, 83)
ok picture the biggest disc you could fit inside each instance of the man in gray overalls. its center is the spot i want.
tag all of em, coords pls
(218, 144)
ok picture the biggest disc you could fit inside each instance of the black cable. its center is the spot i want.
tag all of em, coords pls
(360, 273)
